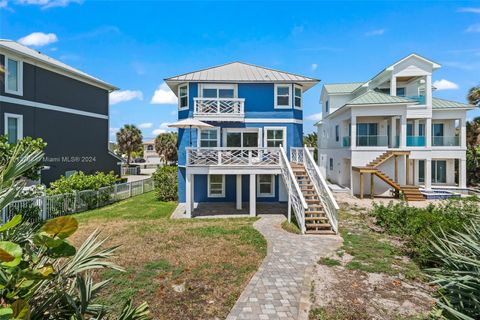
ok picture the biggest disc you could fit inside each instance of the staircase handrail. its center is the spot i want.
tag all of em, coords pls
(295, 195)
(330, 205)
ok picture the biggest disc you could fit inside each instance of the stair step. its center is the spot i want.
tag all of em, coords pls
(316, 219)
(318, 225)
(322, 232)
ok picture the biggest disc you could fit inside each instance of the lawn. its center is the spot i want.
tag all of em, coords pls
(184, 269)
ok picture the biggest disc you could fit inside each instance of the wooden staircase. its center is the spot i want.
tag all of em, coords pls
(316, 221)
(410, 192)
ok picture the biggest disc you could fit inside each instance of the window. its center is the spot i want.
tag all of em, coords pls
(298, 97)
(400, 92)
(282, 96)
(216, 185)
(337, 133)
(265, 185)
(421, 171)
(409, 129)
(242, 138)
(14, 76)
(331, 164)
(421, 129)
(367, 134)
(183, 97)
(439, 171)
(150, 147)
(327, 106)
(275, 137)
(437, 129)
(13, 127)
(218, 91)
(209, 138)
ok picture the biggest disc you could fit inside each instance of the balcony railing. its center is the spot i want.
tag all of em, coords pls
(445, 141)
(419, 99)
(372, 141)
(224, 156)
(416, 141)
(346, 141)
(227, 108)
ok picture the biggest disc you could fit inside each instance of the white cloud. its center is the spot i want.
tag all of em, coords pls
(445, 85)
(473, 28)
(314, 117)
(469, 10)
(125, 95)
(376, 32)
(314, 66)
(3, 4)
(163, 95)
(158, 131)
(162, 128)
(38, 39)
(146, 125)
(45, 4)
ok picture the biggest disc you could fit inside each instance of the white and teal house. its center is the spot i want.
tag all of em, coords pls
(257, 123)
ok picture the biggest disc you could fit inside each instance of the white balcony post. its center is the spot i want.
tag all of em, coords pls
(462, 173)
(428, 132)
(403, 131)
(253, 196)
(188, 195)
(249, 156)
(353, 138)
(463, 132)
(428, 90)
(239, 192)
(428, 174)
(393, 86)
(289, 209)
(393, 132)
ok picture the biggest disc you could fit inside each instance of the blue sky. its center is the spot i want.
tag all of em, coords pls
(136, 44)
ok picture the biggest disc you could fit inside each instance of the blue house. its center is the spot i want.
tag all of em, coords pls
(253, 151)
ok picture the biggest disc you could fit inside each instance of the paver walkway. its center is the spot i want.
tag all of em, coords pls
(274, 291)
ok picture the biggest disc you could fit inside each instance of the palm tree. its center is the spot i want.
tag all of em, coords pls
(474, 96)
(129, 140)
(166, 146)
(473, 140)
(310, 140)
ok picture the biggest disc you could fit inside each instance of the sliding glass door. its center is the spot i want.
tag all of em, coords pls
(439, 171)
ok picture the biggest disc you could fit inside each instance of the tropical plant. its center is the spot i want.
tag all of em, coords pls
(129, 140)
(80, 181)
(459, 275)
(7, 150)
(166, 146)
(474, 96)
(473, 141)
(166, 183)
(42, 276)
(310, 140)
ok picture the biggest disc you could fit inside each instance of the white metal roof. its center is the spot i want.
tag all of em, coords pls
(241, 72)
(60, 67)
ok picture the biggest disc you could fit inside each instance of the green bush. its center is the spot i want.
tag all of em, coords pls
(418, 225)
(459, 275)
(166, 183)
(80, 181)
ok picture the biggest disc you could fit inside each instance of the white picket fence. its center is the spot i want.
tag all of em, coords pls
(48, 207)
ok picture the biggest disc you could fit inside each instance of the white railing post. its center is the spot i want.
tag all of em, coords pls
(143, 186)
(249, 157)
(44, 207)
(129, 189)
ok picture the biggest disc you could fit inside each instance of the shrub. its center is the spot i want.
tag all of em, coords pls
(418, 225)
(459, 275)
(166, 183)
(80, 181)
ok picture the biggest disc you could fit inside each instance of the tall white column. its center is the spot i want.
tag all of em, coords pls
(428, 132)
(239, 192)
(253, 196)
(463, 132)
(415, 127)
(428, 173)
(403, 131)
(393, 86)
(393, 132)
(188, 195)
(462, 173)
(428, 90)
(353, 138)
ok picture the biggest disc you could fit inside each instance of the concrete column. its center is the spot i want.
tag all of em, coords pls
(415, 127)
(403, 131)
(188, 195)
(428, 132)
(463, 132)
(462, 173)
(239, 192)
(428, 90)
(393, 132)
(353, 138)
(393, 86)
(253, 196)
(428, 173)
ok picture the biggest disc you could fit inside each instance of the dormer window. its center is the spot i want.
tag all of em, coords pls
(183, 97)
(327, 106)
(283, 96)
(14, 76)
(298, 97)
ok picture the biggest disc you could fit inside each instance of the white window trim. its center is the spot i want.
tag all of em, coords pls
(266, 195)
(223, 187)
(19, 92)
(277, 85)
(200, 135)
(179, 97)
(284, 129)
(301, 97)
(19, 118)
(228, 130)
(217, 86)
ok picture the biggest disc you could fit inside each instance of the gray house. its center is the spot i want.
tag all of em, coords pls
(44, 98)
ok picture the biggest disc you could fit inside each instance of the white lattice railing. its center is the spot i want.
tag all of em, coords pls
(297, 155)
(218, 106)
(323, 191)
(296, 198)
(47, 207)
(226, 156)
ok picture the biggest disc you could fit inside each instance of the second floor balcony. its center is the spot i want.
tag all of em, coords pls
(238, 157)
(224, 109)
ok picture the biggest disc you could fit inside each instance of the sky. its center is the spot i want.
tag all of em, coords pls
(134, 45)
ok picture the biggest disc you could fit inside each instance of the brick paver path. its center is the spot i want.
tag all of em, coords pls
(274, 291)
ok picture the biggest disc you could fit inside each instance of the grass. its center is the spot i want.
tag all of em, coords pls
(213, 258)
(291, 227)
(326, 261)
